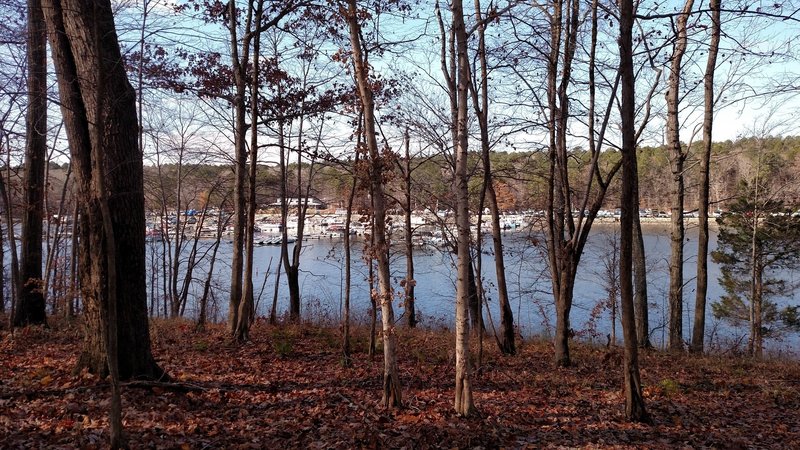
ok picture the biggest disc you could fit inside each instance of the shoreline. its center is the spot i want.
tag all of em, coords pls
(663, 223)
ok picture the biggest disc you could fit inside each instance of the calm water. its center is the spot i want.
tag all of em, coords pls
(322, 285)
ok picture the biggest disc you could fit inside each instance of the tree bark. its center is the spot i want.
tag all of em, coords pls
(12, 242)
(392, 394)
(481, 107)
(410, 283)
(99, 194)
(240, 65)
(699, 330)
(464, 404)
(566, 283)
(177, 244)
(247, 311)
(640, 282)
(302, 210)
(292, 281)
(566, 237)
(757, 275)
(556, 248)
(30, 309)
(291, 269)
(73, 264)
(2, 278)
(348, 253)
(677, 156)
(757, 333)
(634, 402)
(273, 313)
(81, 66)
(475, 303)
(373, 310)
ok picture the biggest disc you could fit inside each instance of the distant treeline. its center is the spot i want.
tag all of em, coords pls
(520, 178)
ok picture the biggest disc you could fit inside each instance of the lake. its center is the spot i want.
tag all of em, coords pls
(322, 285)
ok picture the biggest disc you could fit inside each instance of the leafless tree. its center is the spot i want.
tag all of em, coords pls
(634, 402)
(392, 394)
(30, 308)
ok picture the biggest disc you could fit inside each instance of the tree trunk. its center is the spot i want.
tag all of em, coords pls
(12, 242)
(757, 333)
(180, 227)
(463, 404)
(293, 284)
(563, 306)
(240, 65)
(634, 402)
(273, 313)
(292, 281)
(677, 155)
(291, 269)
(108, 303)
(699, 330)
(756, 276)
(2, 275)
(507, 341)
(640, 282)
(202, 317)
(73, 263)
(348, 257)
(302, 209)
(555, 203)
(481, 107)
(410, 283)
(391, 382)
(30, 309)
(74, 29)
(373, 310)
(475, 304)
(247, 311)
(165, 249)
(565, 238)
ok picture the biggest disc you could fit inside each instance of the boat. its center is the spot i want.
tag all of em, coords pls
(273, 240)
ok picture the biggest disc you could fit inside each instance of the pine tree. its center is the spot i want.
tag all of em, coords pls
(758, 244)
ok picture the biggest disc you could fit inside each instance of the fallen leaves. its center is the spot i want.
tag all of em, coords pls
(254, 396)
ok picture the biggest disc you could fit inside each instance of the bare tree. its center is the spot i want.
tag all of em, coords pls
(409, 284)
(677, 155)
(480, 103)
(640, 281)
(89, 66)
(392, 396)
(246, 313)
(464, 404)
(567, 235)
(634, 402)
(12, 116)
(240, 62)
(30, 308)
(242, 77)
(348, 247)
(699, 330)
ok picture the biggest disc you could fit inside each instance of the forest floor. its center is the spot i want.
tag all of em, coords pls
(289, 389)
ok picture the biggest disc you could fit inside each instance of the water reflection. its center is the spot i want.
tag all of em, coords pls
(322, 284)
